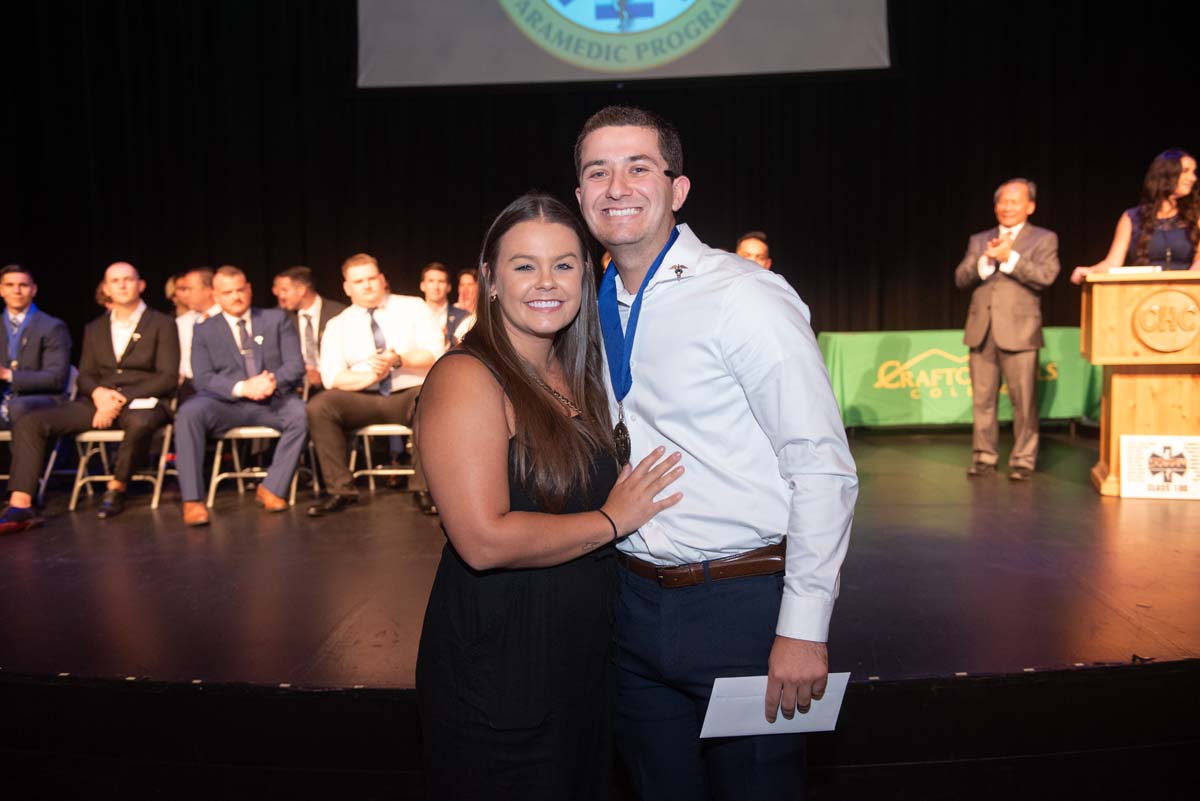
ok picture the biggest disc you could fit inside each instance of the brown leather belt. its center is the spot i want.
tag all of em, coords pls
(759, 562)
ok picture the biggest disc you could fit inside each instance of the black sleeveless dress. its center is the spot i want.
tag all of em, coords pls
(1169, 243)
(513, 674)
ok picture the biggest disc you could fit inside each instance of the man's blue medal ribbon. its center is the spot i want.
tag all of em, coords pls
(618, 344)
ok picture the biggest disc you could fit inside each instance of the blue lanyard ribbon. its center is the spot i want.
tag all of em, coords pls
(618, 344)
(14, 339)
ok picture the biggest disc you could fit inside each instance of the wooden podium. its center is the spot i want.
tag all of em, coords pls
(1145, 330)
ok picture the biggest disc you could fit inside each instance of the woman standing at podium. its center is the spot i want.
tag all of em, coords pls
(1170, 206)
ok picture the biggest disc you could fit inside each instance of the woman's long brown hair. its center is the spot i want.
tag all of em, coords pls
(553, 453)
(1161, 179)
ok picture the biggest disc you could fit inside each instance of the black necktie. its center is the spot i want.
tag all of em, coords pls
(244, 347)
(385, 383)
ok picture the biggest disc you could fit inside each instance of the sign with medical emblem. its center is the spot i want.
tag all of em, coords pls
(619, 35)
(1160, 467)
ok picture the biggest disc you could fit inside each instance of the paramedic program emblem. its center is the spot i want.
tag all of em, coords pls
(619, 35)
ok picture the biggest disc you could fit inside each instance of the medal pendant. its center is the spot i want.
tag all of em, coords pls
(621, 441)
(621, 437)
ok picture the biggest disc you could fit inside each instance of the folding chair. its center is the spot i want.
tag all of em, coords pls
(233, 436)
(6, 436)
(363, 436)
(94, 443)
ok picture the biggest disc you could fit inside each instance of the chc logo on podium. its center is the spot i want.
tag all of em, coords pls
(619, 35)
(1167, 321)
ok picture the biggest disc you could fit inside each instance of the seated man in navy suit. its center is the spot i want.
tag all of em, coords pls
(246, 365)
(36, 348)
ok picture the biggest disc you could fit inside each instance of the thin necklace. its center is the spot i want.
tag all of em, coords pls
(561, 398)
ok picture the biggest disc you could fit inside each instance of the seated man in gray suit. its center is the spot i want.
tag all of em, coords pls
(36, 348)
(246, 365)
(1007, 267)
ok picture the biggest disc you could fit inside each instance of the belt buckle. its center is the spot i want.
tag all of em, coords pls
(659, 571)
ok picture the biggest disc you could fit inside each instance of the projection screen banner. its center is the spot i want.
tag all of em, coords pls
(472, 42)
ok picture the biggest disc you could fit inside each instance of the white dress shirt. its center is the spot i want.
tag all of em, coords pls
(407, 324)
(986, 268)
(441, 315)
(122, 330)
(186, 325)
(727, 371)
(314, 313)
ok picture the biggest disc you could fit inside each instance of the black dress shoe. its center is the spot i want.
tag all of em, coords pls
(334, 503)
(981, 469)
(111, 505)
(1019, 474)
(424, 502)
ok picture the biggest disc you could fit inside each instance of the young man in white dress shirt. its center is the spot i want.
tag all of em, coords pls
(435, 286)
(374, 358)
(753, 245)
(310, 313)
(724, 367)
(194, 288)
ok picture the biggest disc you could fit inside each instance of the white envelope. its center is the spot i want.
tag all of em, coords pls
(143, 403)
(736, 709)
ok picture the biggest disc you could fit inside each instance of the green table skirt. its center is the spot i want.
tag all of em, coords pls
(902, 378)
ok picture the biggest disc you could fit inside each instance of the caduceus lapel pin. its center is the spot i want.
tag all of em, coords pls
(679, 268)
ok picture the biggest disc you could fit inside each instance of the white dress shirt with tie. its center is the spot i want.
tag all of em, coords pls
(727, 371)
(305, 318)
(232, 322)
(987, 266)
(407, 324)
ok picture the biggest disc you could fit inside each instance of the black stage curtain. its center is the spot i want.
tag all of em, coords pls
(174, 133)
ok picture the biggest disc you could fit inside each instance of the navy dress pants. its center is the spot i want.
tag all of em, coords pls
(203, 416)
(670, 646)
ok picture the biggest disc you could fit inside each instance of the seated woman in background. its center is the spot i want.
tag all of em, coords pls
(514, 428)
(1170, 237)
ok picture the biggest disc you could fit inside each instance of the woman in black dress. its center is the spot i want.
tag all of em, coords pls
(514, 432)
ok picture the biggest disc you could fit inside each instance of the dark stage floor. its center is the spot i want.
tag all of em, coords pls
(1098, 597)
(944, 575)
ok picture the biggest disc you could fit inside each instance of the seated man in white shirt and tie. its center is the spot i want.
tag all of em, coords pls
(247, 368)
(195, 290)
(310, 314)
(374, 358)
